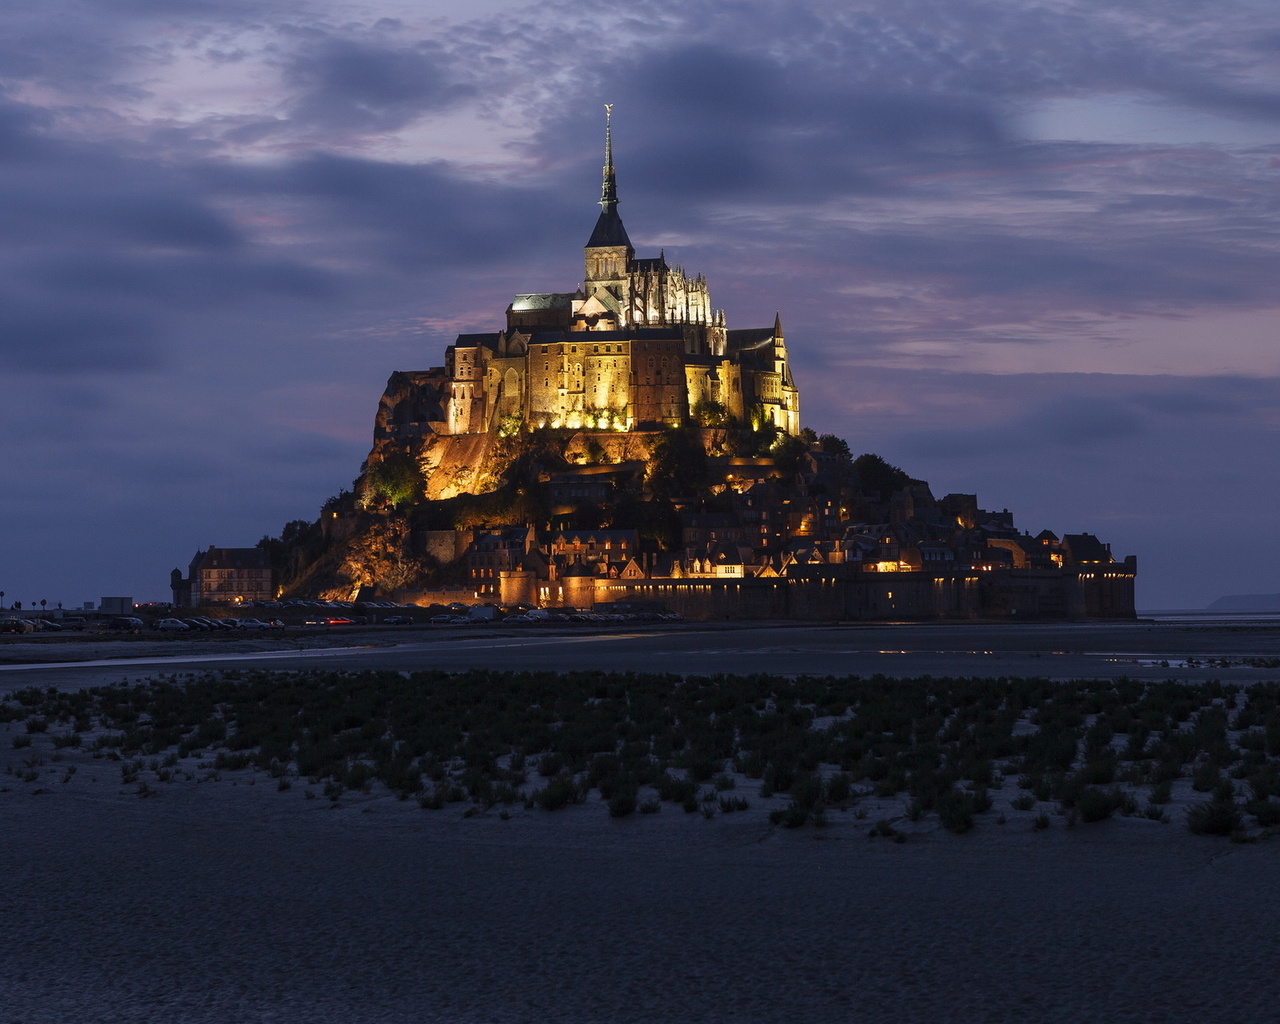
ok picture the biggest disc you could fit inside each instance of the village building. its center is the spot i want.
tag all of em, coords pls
(224, 576)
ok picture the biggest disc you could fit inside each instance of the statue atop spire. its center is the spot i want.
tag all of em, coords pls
(609, 230)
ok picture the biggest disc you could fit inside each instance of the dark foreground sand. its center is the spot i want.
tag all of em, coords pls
(221, 903)
(224, 902)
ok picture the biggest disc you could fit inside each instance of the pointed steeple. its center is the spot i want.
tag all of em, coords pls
(609, 230)
(609, 191)
(777, 323)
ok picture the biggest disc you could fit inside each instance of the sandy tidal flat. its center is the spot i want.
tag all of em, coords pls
(230, 901)
(221, 898)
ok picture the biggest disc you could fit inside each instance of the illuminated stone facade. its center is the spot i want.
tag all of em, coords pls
(637, 344)
(224, 576)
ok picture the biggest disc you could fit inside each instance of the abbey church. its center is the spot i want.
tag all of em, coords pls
(638, 345)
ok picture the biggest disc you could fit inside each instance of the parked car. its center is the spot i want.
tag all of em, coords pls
(397, 620)
(78, 622)
(172, 626)
(16, 626)
(124, 624)
(254, 624)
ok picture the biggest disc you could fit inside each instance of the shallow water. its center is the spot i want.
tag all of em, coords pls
(1142, 650)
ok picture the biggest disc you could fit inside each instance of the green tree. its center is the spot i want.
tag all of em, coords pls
(343, 501)
(786, 452)
(712, 414)
(679, 463)
(879, 477)
(833, 445)
(397, 479)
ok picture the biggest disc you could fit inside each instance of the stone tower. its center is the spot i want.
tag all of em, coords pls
(608, 252)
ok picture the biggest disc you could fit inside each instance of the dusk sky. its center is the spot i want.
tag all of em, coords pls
(1023, 249)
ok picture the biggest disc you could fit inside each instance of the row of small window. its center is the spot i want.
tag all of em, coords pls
(642, 346)
(243, 574)
(576, 385)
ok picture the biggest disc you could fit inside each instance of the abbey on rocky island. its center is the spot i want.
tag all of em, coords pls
(618, 444)
(638, 345)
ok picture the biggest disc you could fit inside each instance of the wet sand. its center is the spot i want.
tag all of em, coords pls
(219, 902)
(223, 901)
(1142, 650)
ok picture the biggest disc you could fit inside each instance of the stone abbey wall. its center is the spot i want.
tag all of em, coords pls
(637, 343)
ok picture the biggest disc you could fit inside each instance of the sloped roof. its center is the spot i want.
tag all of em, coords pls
(231, 558)
(1085, 547)
(476, 340)
(609, 230)
(748, 338)
(543, 300)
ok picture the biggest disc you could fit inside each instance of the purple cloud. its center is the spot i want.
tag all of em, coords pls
(223, 225)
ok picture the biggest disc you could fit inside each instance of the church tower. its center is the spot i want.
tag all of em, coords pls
(608, 250)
